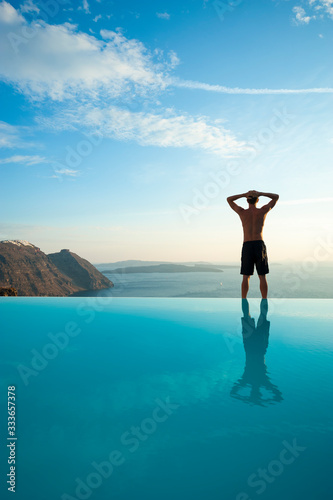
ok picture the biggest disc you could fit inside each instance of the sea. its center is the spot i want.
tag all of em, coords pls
(289, 280)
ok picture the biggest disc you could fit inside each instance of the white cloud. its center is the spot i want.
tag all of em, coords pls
(323, 5)
(27, 160)
(66, 171)
(59, 62)
(96, 18)
(11, 136)
(319, 8)
(28, 6)
(163, 15)
(174, 59)
(10, 16)
(86, 7)
(301, 17)
(149, 129)
(189, 84)
(8, 135)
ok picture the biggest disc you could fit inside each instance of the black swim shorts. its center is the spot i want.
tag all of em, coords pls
(254, 253)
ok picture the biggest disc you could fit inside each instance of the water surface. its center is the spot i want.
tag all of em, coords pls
(169, 398)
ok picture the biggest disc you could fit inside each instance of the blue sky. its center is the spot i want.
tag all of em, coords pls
(117, 119)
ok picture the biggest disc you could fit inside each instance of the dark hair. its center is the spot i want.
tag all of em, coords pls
(252, 200)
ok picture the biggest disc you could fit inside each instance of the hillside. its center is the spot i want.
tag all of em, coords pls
(82, 274)
(31, 272)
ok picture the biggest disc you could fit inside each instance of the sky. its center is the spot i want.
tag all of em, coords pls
(125, 125)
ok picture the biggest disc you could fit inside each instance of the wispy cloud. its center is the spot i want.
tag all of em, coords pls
(96, 18)
(327, 5)
(319, 10)
(189, 84)
(163, 15)
(301, 17)
(85, 6)
(167, 129)
(66, 171)
(26, 160)
(28, 6)
(11, 136)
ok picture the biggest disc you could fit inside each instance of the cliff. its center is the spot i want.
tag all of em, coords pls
(82, 274)
(31, 272)
(8, 292)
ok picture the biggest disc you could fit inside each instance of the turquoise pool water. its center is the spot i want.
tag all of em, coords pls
(179, 399)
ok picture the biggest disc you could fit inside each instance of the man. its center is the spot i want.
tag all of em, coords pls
(254, 249)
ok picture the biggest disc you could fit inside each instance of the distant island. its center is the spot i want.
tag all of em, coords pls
(166, 268)
(28, 271)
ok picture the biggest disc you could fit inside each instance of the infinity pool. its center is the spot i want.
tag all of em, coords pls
(180, 399)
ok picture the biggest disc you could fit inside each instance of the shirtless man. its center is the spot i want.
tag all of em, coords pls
(254, 248)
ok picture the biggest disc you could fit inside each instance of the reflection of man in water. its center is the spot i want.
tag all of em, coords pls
(255, 376)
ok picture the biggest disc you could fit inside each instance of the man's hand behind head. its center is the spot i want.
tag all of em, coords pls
(253, 193)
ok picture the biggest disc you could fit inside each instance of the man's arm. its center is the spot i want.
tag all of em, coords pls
(272, 203)
(233, 205)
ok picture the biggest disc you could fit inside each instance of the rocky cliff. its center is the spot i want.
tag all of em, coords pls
(33, 273)
(8, 292)
(82, 274)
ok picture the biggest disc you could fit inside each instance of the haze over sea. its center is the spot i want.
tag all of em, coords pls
(285, 280)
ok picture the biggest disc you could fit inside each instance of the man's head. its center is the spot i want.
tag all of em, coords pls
(252, 200)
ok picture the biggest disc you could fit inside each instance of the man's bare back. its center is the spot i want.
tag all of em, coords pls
(253, 223)
(254, 249)
(253, 218)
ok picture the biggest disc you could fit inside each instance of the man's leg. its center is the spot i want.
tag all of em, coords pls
(246, 308)
(245, 285)
(263, 285)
